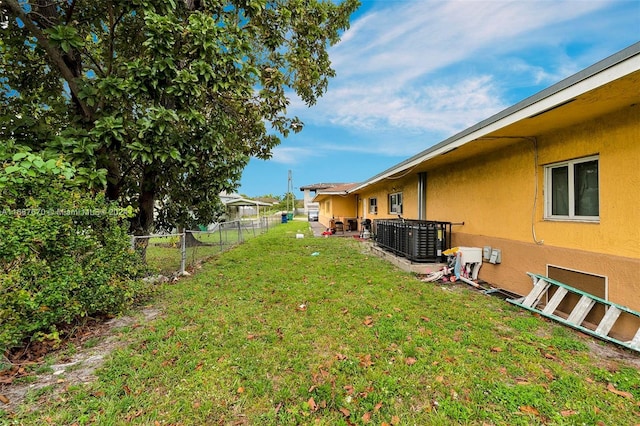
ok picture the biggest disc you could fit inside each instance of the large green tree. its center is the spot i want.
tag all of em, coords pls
(161, 103)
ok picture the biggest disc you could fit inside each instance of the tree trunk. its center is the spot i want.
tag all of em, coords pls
(192, 241)
(143, 222)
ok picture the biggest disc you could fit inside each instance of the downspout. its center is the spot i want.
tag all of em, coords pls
(422, 196)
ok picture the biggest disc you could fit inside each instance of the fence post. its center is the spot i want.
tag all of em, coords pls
(240, 240)
(183, 251)
(133, 242)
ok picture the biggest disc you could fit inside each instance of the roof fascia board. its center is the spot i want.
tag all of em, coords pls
(616, 66)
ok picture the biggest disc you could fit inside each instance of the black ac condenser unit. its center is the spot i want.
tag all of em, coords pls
(417, 240)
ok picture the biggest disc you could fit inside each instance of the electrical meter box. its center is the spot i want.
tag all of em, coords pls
(486, 253)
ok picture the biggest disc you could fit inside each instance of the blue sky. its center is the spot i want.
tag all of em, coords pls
(411, 73)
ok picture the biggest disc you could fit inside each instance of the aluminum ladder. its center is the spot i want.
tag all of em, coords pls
(542, 284)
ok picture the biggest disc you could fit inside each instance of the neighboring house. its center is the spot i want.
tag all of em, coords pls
(553, 182)
(337, 204)
(310, 192)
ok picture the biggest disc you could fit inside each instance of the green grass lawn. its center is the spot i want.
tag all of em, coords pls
(286, 331)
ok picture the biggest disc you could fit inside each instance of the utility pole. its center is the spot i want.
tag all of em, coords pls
(290, 196)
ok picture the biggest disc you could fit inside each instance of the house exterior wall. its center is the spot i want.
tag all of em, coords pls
(494, 196)
(324, 210)
(407, 185)
(338, 207)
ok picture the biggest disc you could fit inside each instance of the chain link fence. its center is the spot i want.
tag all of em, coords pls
(176, 253)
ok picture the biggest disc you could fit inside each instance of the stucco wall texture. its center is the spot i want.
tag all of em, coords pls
(494, 196)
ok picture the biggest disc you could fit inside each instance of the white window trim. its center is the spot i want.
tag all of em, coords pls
(391, 205)
(548, 193)
(373, 209)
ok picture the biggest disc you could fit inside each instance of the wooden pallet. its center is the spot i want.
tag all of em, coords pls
(576, 319)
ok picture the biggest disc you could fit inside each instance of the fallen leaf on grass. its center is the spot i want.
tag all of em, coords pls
(170, 333)
(529, 410)
(345, 412)
(395, 420)
(312, 404)
(340, 357)
(613, 389)
(349, 389)
(368, 321)
(496, 349)
(4, 399)
(377, 407)
(567, 413)
(240, 389)
(366, 417)
(440, 379)
(365, 361)
(410, 361)
(132, 416)
(425, 319)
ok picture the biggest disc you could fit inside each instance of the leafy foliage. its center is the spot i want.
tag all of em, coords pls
(64, 253)
(171, 98)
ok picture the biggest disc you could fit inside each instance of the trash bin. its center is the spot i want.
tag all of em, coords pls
(284, 218)
(289, 216)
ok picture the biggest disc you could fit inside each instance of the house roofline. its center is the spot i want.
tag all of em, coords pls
(609, 69)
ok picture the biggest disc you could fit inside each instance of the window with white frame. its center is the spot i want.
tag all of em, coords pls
(395, 203)
(373, 205)
(572, 190)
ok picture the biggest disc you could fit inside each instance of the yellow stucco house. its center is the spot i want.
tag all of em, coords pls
(553, 182)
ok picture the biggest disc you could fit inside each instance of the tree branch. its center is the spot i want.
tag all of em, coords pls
(53, 53)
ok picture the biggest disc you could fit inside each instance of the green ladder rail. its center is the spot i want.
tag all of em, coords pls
(542, 284)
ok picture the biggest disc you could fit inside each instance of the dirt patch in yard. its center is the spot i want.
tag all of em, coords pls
(93, 344)
(613, 354)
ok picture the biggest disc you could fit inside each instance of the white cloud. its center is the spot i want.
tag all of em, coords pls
(291, 155)
(420, 76)
(444, 107)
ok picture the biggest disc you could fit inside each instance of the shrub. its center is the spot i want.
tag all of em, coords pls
(64, 253)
